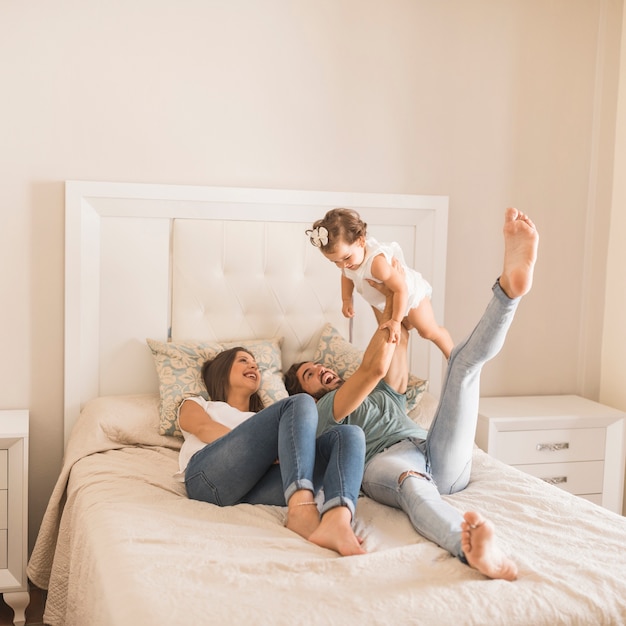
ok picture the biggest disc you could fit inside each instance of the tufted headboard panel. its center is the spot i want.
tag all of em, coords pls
(219, 264)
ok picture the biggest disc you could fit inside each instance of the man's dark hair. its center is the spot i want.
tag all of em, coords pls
(292, 384)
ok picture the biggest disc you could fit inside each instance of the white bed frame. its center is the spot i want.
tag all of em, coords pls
(152, 260)
(163, 261)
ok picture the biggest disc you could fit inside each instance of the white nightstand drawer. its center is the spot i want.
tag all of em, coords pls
(4, 517)
(14, 510)
(596, 498)
(577, 478)
(548, 446)
(539, 433)
(4, 549)
(4, 455)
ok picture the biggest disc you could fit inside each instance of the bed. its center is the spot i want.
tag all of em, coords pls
(158, 278)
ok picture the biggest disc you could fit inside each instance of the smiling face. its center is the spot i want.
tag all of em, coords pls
(317, 380)
(345, 255)
(244, 372)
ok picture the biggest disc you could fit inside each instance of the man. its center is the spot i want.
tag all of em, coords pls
(405, 467)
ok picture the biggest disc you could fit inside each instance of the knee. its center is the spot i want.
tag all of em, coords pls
(348, 433)
(355, 432)
(302, 401)
(428, 333)
(353, 436)
(303, 406)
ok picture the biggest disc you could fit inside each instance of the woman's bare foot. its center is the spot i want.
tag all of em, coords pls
(520, 253)
(302, 515)
(335, 532)
(479, 546)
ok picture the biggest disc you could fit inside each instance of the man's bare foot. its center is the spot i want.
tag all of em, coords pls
(479, 546)
(520, 253)
(303, 518)
(335, 532)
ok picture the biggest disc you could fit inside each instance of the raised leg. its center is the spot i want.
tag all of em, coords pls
(451, 436)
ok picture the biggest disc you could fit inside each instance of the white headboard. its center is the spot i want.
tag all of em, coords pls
(219, 263)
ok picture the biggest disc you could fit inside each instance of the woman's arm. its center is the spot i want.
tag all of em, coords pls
(195, 420)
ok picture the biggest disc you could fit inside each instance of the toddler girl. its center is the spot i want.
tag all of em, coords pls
(341, 235)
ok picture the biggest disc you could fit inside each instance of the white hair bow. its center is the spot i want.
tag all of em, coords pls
(318, 236)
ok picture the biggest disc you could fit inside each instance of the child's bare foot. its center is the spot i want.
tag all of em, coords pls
(520, 253)
(335, 532)
(303, 519)
(479, 545)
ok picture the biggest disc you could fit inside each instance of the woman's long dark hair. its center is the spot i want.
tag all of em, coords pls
(216, 377)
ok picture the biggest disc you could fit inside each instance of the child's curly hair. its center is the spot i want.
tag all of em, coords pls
(341, 225)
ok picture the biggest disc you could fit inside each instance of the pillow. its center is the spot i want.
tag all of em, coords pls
(334, 352)
(130, 420)
(179, 365)
(112, 422)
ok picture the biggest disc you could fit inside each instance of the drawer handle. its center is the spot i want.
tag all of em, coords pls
(553, 447)
(556, 480)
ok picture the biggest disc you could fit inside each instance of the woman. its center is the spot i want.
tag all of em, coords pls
(236, 451)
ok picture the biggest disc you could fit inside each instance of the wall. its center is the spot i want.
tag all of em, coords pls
(612, 388)
(492, 103)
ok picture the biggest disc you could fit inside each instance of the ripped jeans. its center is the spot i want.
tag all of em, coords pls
(412, 474)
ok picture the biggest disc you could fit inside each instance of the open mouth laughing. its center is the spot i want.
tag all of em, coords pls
(327, 377)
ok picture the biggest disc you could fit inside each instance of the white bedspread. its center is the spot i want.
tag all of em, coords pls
(121, 545)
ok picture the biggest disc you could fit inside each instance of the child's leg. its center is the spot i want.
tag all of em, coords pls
(422, 317)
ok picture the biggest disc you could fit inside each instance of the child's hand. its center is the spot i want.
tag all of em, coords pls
(394, 330)
(347, 309)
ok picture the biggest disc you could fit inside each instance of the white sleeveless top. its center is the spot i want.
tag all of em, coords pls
(418, 288)
(221, 412)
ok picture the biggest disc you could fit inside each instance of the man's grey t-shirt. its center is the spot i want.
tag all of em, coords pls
(382, 416)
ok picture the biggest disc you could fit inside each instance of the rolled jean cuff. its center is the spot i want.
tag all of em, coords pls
(499, 292)
(338, 501)
(297, 485)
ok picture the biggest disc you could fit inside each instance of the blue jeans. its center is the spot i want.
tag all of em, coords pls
(240, 466)
(442, 463)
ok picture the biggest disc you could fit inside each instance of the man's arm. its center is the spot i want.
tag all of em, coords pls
(374, 366)
(397, 376)
(394, 279)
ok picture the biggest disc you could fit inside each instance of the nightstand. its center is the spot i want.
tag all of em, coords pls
(569, 441)
(14, 511)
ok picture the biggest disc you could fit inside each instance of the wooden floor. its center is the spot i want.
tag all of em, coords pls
(34, 611)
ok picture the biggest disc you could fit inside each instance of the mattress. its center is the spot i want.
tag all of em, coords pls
(121, 544)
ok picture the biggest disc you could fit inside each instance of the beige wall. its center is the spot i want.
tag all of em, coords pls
(613, 378)
(492, 103)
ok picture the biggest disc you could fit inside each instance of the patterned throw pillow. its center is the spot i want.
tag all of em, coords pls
(179, 364)
(339, 355)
